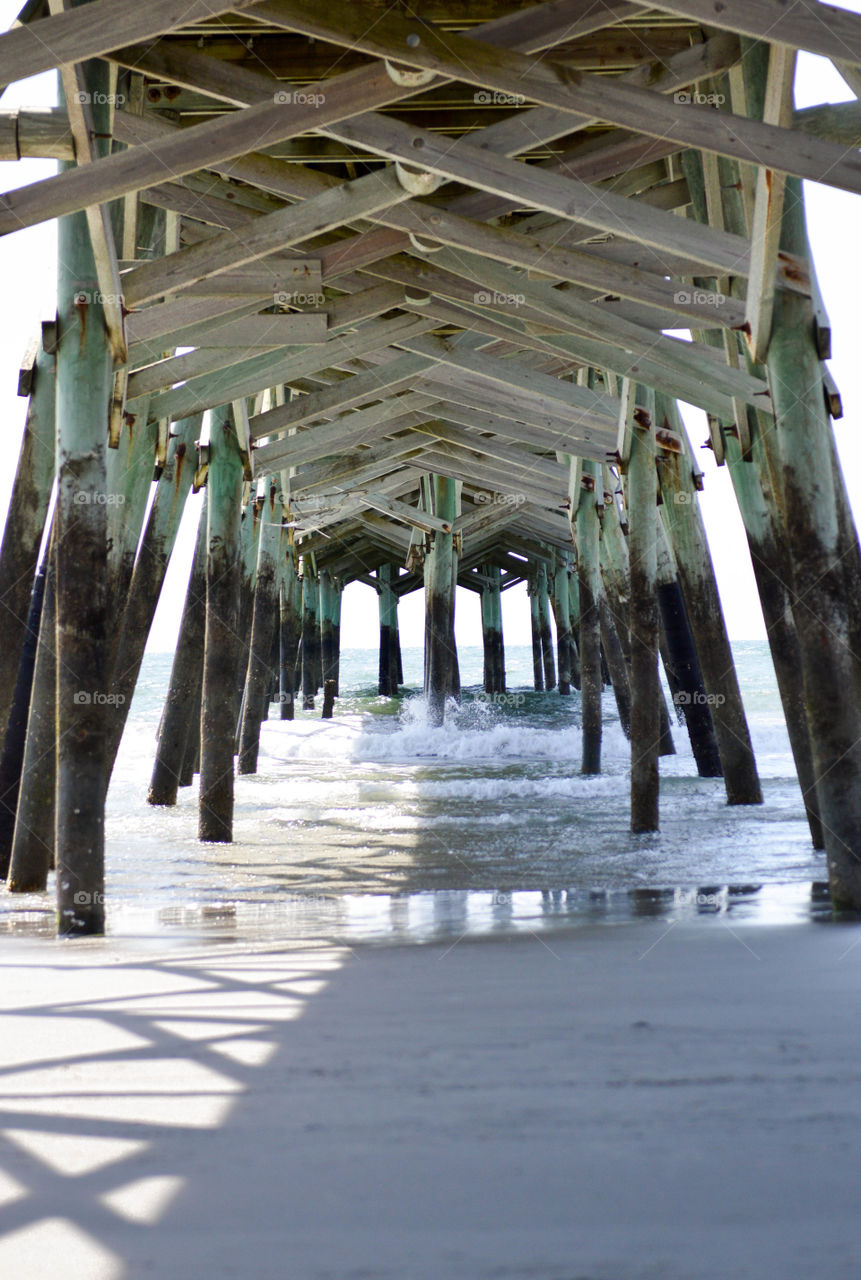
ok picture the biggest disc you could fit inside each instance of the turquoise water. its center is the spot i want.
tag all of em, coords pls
(375, 825)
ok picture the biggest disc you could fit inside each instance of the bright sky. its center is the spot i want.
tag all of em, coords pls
(27, 272)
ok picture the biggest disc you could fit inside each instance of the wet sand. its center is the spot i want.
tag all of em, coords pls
(640, 1100)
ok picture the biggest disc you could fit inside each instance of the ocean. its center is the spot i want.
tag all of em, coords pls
(375, 827)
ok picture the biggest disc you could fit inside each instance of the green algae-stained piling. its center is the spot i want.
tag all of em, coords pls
(389, 672)
(545, 630)
(310, 637)
(484, 394)
(222, 649)
(591, 680)
(642, 494)
(84, 369)
(182, 706)
(535, 619)
(265, 617)
(442, 679)
(25, 520)
(32, 854)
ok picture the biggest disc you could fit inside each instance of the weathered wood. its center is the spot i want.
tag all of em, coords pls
(178, 718)
(819, 28)
(535, 618)
(683, 522)
(265, 616)
(25, 523)
(641, 495)
(811, 528)
(76, 35)
(682, 664)
(328, 699)
(389, 676)
(291, 630)
(84, 385)
(591, 681)
(329, 591)
(222, 648)
(545, 631)
(32, 853)
(441, 678)
(768, 207)
(310, 637)
(14, 740)
(617, 667)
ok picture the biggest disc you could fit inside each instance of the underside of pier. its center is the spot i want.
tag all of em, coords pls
(414, 292)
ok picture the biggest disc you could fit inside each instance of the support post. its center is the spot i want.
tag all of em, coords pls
(442, 679)
(535, 618)
(222, 650)
(811, 527)
(25, 522)
(33, 838)
(683, 522)
(310, 636)
(263, 623)
(84, 386)
(14, 743)
(181, 708)
(388, 606)
(588, 572)
(291, 630)
(562, 616)
(545, 631)
(642, 494)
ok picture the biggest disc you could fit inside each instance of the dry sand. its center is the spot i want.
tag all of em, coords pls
(611, 1102)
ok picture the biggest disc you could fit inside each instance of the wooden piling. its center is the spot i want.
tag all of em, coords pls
(491, 630)
(388, 604)
(25, 522)
(591, 679)
(84, 386)
(642, 494)
(310, 637)
(682, 664)
(263, 625)
(328, 643)
(562, 617)
(328, 699)
(222, 651)
(545, 630)
(616, 664)
(683, 522)
(33, 839)
(811, 527)
(148, 575)
(181, 710)
(535, 618)
(291, 629)
(12, 755)
(442, 679)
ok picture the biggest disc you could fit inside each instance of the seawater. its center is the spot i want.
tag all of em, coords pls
(376, 826)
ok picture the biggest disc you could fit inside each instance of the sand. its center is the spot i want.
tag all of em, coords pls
(641, 1100)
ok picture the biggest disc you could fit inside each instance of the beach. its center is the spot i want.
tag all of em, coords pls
(651, 1099)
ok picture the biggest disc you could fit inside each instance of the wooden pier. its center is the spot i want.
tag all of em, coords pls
(400, 288)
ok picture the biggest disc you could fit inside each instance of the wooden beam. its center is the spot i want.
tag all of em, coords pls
(818, 28)
(593, 97)
(88, 32)
(768, 209)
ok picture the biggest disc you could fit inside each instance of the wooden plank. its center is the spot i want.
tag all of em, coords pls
(88, 32)
(90, 145)
(347, 431)
(268, 234)
(269, 331)
(516, 74)
(768, 209)
(819, 28)
(194, 148)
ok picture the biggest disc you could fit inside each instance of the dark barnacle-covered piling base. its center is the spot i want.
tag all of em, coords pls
(400, 289)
